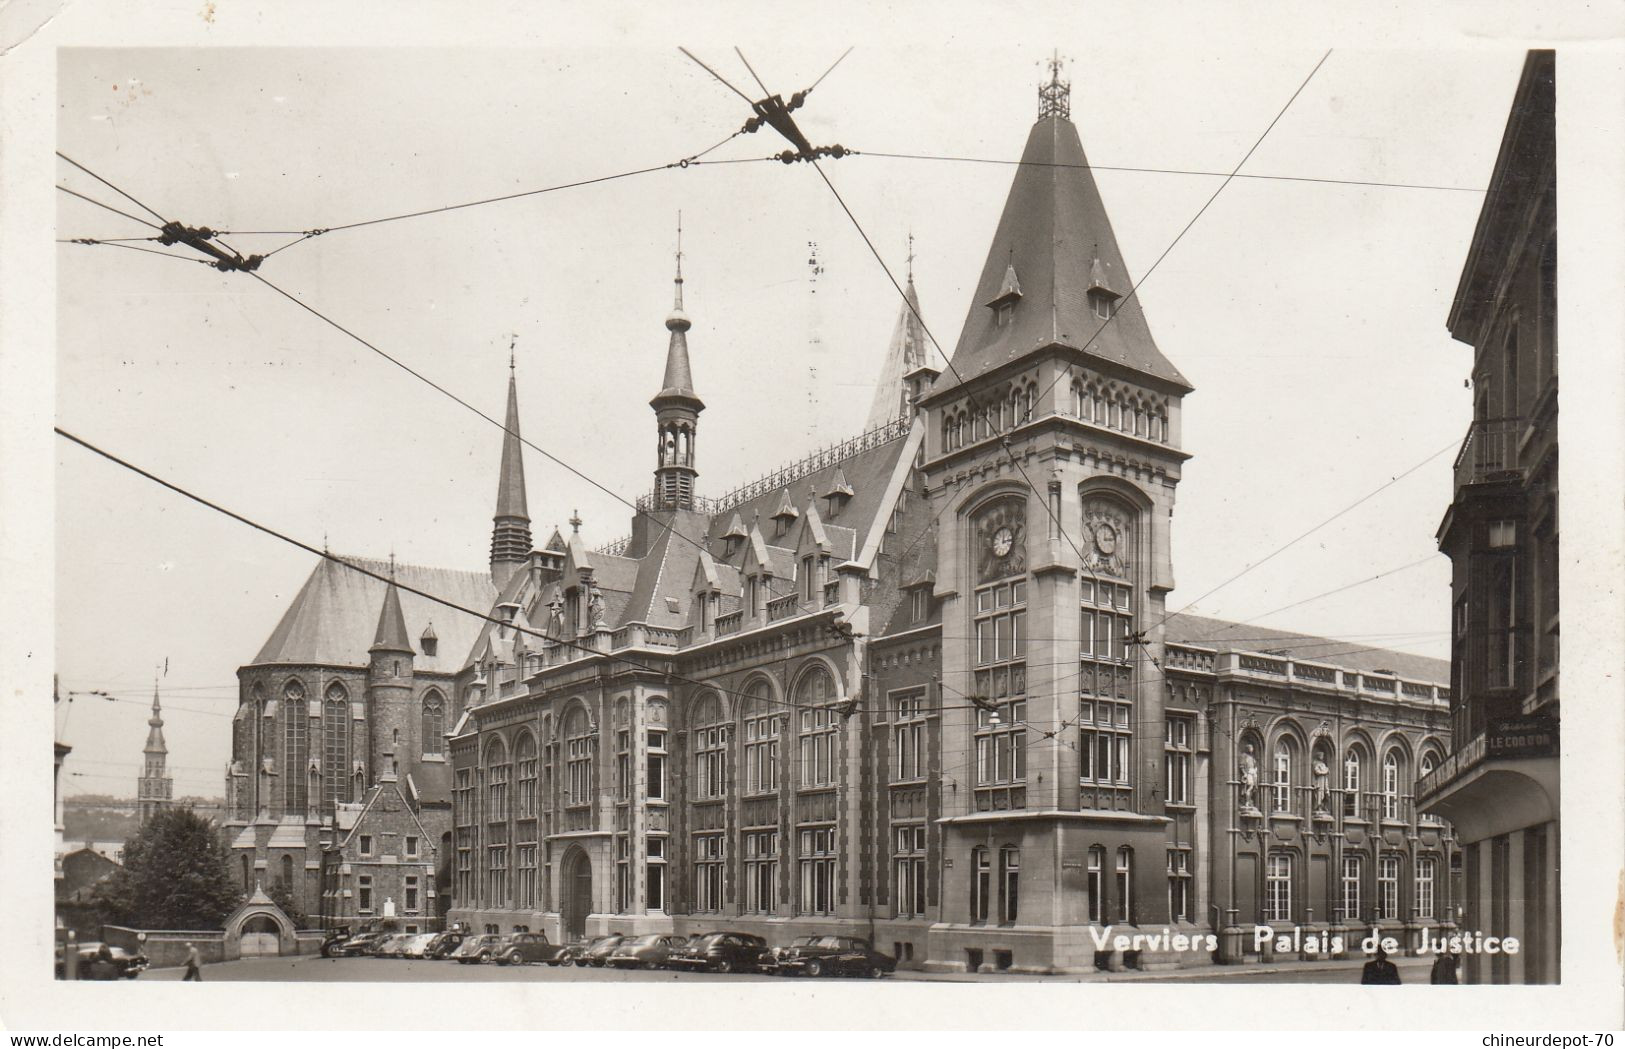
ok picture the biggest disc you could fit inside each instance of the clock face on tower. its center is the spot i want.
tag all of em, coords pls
(1105, 539)
(1000, 549)
(1002, 541)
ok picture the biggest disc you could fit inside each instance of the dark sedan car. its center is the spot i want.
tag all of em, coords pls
(442, 946)
(477, 949)
(582, 951)
(524, 947)
(645, 952)
(363, 943)
(722, 952)
(834, 956)
(99, 961)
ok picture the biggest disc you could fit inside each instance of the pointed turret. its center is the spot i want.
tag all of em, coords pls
(155, 788)
(907, 353)
(510, 528)
(1054, 273)
(393, 729)
(391, 633)
(677, 409)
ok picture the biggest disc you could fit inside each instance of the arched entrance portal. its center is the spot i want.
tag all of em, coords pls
(260, 937)
(576, 892)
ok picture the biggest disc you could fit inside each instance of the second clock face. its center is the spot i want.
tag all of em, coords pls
(1003, 540)
(1106, 539)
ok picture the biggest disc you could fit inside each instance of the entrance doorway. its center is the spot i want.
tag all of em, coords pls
(576, 890)
(260, 937)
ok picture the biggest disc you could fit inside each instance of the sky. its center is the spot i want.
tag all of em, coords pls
(1309, 315)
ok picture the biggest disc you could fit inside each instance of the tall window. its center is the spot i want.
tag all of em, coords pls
(1353, 878)
(578, 758)
(1105, 676)
(1097, 884)
(1125, 884)
(295, 748)
(1009, 883)
(656, 763)
(1426, 867)
(363, 890)
(623, 874)
(434, 722)
(654, 874)
(1001, 679)
(908, 865)
(1278, 887)
(710, 737)
(287, 871)
(496, 782)
(1429, 762)
(1281, 787)
(819, 722)
(908, 734)
(1180, 903)
(1351, 783)
(981, 883)
(1180, 751)
(623, 765)
(1387, 886)
(526, 855)
(816, 862)
(708, 872)
(1390, 786)
(335, 746)
(763, 724)
(525, 759)
(496, 875)
(761, 871)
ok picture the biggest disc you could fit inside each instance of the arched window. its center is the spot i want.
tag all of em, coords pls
(1097, 884)
(1281, 782)
(819, 721)
(525, 760)
(335, 746)
(981, 883)
(496, 781)
(1100, 408)
(1390, 785)
(947, 433)
(1351, 783)
(287, 871)
(295, 748)
(578, 747)
(1429, 762)
(248, 874)
(434, 722)
(763, 722)
(710, 738)
(1080, 405)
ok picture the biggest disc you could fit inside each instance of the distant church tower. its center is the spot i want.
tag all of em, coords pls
(155, 789)
(677, 410)
(906, 355)
(392, 729)
(510, 527)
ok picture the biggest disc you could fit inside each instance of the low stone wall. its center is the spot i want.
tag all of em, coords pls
(166, 948)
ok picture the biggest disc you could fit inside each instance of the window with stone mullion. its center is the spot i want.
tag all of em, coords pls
(1000, 630)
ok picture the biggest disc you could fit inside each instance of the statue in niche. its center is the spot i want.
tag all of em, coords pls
(595, 607)
(1322, 774)
(1249, 779)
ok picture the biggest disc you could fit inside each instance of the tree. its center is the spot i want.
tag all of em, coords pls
(282, 895)
(175, 876)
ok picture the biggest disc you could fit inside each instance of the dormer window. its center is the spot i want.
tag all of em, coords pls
(1100, 301)
(429, 642)
(1002, 314)
(1003, 304)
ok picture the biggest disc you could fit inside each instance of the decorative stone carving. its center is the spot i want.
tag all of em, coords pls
(999, 535)
(1249, 779)
(1107, 538)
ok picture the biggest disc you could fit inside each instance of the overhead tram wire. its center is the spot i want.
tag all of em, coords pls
(380, 577)
(112, 187)
(107, 207)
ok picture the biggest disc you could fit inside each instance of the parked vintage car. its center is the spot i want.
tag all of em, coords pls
(443, 944)
(417, 946)
(645, 952)
(101, 961)
(361, 943)
(522, 948)
(834, 956)
(335, 939)
(477, 949)
(722, 952)
(598, 954)
(577, 953)
(392, 945)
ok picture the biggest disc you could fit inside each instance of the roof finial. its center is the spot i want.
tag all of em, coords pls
(679, 246)
(513, 341)
(1055, 97)
(910, 254)
(392, 565)
(575, 520)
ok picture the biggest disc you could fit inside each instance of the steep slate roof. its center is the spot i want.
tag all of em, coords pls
(391, 633)
(511, 483)
(907, 351)
(1054, 232)
(1244, 637)
(334, 616)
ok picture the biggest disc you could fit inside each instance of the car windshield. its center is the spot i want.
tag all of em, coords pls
(643, 941)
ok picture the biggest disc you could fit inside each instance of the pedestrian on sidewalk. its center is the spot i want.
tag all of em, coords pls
(1444, 970)
(194, 961)
(1380, 970)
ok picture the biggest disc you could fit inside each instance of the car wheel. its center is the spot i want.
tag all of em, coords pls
(815, 967)
(875, 972)
(724, 966)
(651, 964)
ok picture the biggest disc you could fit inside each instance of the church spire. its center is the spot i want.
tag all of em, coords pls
(905, 355)
(155, 789)
(677, 407)
(510, 529)
(391, 633)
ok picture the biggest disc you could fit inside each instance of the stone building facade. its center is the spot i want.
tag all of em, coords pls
(925, 686)
(1500, 784)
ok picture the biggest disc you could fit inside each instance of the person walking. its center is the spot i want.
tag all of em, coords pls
(194, 961)
(1445, 969)
(1380, 970)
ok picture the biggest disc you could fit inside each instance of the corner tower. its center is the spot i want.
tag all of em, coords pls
(392, 746)
(677, 409)
(510, 525)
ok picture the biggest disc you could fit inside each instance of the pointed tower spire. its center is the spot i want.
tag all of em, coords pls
(510, 525)
(907, 353)
(391, 633)
(155, 789)
(677, 407)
